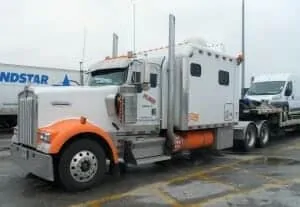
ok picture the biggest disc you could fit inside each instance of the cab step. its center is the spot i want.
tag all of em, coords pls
(149, 160)
(144, 150)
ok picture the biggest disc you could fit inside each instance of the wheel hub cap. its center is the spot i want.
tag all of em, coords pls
(83, 166)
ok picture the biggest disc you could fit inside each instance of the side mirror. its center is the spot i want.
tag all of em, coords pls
(288, 92)
(146, 72)
(139, 87)
(146, 78)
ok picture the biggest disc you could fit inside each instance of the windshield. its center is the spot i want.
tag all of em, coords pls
(116, 76)
(266, 88)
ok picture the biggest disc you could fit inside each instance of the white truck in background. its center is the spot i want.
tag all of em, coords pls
(13, 78)
(279, 89)
(138, 109)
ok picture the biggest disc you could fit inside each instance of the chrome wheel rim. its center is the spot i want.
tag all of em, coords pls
(83, 166)
(250, 137)
(264, 135)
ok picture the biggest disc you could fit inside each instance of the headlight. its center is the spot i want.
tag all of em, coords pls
(276, 97)
(45, 136)
(266, 101)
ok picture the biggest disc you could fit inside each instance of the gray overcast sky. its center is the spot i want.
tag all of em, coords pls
(50, 32)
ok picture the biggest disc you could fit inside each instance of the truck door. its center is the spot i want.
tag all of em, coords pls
(292, 98)
(148, 102)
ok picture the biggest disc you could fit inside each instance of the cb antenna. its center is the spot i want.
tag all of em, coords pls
(83, 57)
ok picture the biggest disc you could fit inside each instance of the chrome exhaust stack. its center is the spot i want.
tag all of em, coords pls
(115, 45)
(171, 76)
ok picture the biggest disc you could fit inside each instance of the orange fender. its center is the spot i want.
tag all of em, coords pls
(64, 130)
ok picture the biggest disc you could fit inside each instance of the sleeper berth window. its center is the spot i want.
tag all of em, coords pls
(195, 70)
(223, 78)
(153, 80)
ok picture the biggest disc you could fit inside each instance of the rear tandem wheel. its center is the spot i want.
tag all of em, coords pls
(264, 135)
(250, 136)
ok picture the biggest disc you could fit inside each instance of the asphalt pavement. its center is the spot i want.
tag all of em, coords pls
(264, 177)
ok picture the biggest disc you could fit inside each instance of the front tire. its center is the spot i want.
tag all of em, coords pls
(81, 165)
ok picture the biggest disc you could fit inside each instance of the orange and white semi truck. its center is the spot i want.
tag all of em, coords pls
(138, 109)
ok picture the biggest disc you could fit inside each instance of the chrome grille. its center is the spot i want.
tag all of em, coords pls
(129, 101)
(27, 118)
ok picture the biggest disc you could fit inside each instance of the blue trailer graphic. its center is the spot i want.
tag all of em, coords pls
(26, 78)
(11, 77)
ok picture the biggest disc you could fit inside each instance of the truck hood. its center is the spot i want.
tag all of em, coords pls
(58, 103)
(263, 97)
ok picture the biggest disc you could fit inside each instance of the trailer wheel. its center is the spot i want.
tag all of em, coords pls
(81, 165)
(264, 136)
(250, 138)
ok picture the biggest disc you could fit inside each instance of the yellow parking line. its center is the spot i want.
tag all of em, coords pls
(203, 172)
(98, 202)
(292, 146)
(166, 198)
(269, 178)
(239, 192)
(234, 194)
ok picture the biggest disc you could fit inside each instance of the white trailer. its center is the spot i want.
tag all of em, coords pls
(138, 109)
(13, 78)
(279, 89)
(271, 105)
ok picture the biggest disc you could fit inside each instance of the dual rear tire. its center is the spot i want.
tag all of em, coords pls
(254, 137)
(264, 135)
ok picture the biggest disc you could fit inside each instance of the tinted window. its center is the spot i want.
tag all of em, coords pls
(116, 76)
(153, 80)
(223, 77)
(195, 70)
(266, 88)
(290, 86)
(136, 77)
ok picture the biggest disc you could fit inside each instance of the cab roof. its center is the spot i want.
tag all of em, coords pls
(272, 77)
(181, 50)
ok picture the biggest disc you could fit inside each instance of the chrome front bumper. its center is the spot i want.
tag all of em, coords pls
(34, 162)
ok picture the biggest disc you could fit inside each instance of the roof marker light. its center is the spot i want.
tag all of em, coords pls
(83, 120)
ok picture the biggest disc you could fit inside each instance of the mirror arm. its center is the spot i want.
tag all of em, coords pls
(146, 71)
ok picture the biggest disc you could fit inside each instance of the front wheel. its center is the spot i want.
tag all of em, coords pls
(81, 165)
